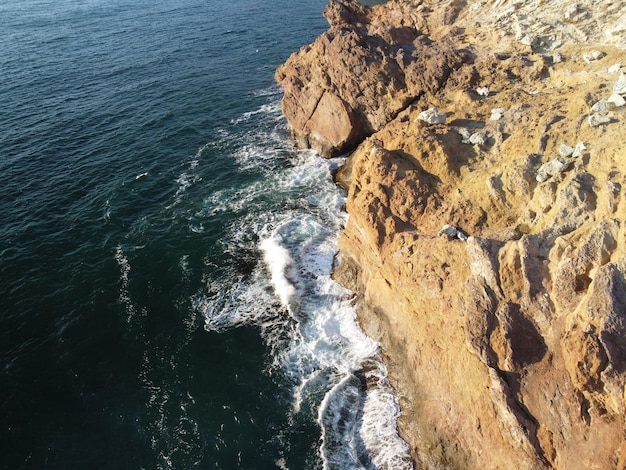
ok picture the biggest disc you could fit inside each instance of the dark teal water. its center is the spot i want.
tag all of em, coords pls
(165, 252)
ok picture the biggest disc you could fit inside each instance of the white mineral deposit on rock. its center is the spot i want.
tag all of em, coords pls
(539, 291)
(593, 55)
(620, 86)
(517, 27)
(616, 100)
(552, 168)
(448, 230)
(452, 232)
(482, 91)
(570, 12)
(601, 107)
(579, 149)
(497, 114)
(465, 134)
(478, 138)
(596, 120)
(494, 185)
(530, 40)
(614, 68)
(565, 150)
(432, 116)
(614, 190)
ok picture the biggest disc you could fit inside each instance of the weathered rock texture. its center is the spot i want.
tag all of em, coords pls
(357, 77)
(508, 350)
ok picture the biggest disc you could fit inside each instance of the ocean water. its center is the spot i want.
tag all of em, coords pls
(165, 251)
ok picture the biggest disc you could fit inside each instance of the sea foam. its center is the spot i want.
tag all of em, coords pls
(293, 215)
(278, 261)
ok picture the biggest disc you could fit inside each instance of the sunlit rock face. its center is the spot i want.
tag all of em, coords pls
(358, 76)
(507, 345)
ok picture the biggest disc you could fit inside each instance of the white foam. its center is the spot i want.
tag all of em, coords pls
(278, 261)
(341, 446)
(379, 423)
(188, 177)
(273, 90)
(196, 228)
(183, 264)
(124, 295)
(293, 214)
(107, 210)
(269, 108)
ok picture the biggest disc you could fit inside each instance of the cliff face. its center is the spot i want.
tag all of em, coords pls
(505, 333)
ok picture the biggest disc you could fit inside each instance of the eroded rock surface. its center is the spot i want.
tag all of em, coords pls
(507, 347)
(358, 76)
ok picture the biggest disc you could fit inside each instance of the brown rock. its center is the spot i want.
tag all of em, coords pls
(507, 350)
(330, 126)
(573, 273)
(585, 358)
(523, 345)
(385, 74)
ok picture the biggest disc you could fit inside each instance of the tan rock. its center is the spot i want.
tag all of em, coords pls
(330, 126)
(507, 350)
(387, 72)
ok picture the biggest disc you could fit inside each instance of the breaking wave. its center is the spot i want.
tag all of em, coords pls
(290, 218)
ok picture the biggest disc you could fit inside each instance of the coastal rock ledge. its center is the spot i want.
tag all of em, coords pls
(486, 242)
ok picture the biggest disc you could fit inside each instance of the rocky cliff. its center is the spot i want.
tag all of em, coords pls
(487, 233)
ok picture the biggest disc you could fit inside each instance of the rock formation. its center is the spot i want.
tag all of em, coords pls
(383, 70)
(507, 346)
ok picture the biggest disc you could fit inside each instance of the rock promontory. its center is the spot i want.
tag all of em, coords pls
(486, 242)
(358, 76)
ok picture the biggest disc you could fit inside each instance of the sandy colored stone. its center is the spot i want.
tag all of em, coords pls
(372, 69)
(508, 349)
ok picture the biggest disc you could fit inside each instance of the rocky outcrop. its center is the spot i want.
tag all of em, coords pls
(507, 345)
(357, 77)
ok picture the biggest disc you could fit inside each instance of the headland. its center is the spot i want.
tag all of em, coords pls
(486, 242)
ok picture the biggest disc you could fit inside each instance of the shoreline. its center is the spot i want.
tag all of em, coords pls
(486, 242)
